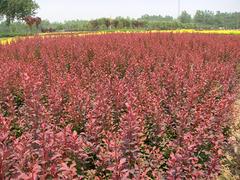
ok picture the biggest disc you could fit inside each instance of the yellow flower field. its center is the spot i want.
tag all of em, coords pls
(5, 40)
(230, 32)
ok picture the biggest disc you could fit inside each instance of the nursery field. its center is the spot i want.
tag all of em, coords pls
(117, 106)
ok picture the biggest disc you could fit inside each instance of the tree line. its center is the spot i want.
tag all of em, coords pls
(211, 19)
(201, 20)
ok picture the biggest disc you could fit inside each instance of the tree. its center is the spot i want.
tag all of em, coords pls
(147, 17)
(168, 18)
(30, 21)
(115, 23)
(204, 17)
(17, 9)
(94, 24)
(107, 23)
(199, 17)
(185, 17)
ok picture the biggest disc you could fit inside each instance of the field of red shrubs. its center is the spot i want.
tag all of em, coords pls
(117, 106)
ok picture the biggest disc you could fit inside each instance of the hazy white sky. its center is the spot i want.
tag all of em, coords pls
(60, 10)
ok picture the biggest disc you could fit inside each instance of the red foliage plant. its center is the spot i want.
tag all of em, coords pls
(133, 106)
(30, 21)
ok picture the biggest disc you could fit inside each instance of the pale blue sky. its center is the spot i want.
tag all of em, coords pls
(60, 10)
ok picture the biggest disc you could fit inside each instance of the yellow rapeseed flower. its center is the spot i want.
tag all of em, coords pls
(55, 34)
(6, 40)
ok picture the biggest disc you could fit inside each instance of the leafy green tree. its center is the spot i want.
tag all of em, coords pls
(227, 20)
(115, 23)
(185, 17)
(17, 9)
(204, 17)
(199, 17)
(94, 24)
(147, 17)
(168, 18)
(123, 23)
(209, 17)
(107, 23)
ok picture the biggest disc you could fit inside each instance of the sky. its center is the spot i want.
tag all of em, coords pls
(61, 10)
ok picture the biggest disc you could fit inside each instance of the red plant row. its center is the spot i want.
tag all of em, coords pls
(122, 106)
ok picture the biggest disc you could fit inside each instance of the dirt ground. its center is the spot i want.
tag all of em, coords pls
(231, 162)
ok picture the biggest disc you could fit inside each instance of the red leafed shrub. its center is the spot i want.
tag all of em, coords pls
(135, 106)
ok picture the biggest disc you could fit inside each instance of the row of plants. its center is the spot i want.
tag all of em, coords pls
(81, 33)
(116, 106)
